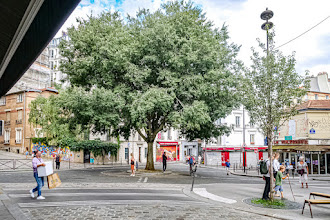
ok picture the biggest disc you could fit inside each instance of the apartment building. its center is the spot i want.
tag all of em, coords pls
(15, 130)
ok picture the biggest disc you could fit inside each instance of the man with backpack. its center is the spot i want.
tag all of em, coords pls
(264, 169)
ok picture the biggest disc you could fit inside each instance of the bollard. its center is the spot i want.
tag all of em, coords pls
(14, 164)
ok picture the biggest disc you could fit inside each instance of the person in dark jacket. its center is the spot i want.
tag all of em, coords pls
(164, 161)
(58, 161)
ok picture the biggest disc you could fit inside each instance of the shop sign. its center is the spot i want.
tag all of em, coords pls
(293, 142)
(288, 138)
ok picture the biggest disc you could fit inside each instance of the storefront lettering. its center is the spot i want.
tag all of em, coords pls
(292, 142)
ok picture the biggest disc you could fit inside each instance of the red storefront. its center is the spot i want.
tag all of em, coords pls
(249, 156)
(171, 148)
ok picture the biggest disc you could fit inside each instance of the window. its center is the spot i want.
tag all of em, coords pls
(126, 153)
(316, 97)
(251, 138)
(145, 152)
(108, 135)
(238, 120)
(169, 136)
(52, 53)
(8, 116)
(20, 98)
(18, 139)
(1, 127)
(19, 115)
(7, 136)
(326, 97)
(51, 65)
(251, 124)
(3, 101)
(139, 137)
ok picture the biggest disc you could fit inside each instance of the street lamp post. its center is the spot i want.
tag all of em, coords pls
(266, 15)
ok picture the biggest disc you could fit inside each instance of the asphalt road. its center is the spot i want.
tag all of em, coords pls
(177, 174)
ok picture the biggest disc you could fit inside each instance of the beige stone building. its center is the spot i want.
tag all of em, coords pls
(308, 133)
(15, 130)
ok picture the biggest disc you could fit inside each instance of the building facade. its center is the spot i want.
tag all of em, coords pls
(15, 130)
(308, 133)
(57, 77)
(230, 147)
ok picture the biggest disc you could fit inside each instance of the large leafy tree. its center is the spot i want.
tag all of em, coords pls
(272, 90)
(171, 68)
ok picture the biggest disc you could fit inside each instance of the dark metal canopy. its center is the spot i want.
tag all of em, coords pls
(26, 27)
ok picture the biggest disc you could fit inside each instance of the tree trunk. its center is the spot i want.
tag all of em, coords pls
(150, 157)
(270, 151)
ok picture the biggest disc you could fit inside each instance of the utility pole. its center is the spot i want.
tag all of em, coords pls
(244, 157)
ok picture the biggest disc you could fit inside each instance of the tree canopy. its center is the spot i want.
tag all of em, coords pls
(170, 68)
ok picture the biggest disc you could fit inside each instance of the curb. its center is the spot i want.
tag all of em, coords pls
(248, 175)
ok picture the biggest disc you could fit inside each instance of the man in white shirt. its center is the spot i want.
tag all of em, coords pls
(276, 166)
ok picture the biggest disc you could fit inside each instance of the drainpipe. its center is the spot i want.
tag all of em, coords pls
(24, 112)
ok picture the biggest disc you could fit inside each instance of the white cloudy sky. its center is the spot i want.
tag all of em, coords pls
(291, 18)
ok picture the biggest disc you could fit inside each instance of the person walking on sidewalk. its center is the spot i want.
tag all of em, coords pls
(278, 181)
(276, 165)
(227, 166)
(132, 164)
(164, 161)
(58, 161)
(37, 162)
(199, 160)
(302, 169)
(266, 177)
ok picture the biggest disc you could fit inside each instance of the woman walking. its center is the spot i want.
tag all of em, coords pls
(302, 169)
(132, 164)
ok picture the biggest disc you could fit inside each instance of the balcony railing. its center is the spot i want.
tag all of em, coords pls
(19, 121)
(18, 141)
(6, 142)
(7, 122)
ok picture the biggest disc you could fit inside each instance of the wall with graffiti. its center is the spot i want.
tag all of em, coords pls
(170, 152)
(51, 151)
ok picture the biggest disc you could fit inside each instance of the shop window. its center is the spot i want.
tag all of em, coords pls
(316, 97)
(326, 97)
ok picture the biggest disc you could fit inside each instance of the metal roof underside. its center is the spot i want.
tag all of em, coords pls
(26, 27)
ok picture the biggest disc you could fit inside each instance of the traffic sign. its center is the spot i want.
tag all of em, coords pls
(256, 151)
(312, 131)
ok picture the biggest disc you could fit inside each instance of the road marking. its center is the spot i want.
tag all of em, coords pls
(139, 181)
(145, 180)
(104, 202)
(202, 192)
(100, 194)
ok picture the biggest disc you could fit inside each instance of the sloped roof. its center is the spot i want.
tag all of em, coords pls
(315, 105)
